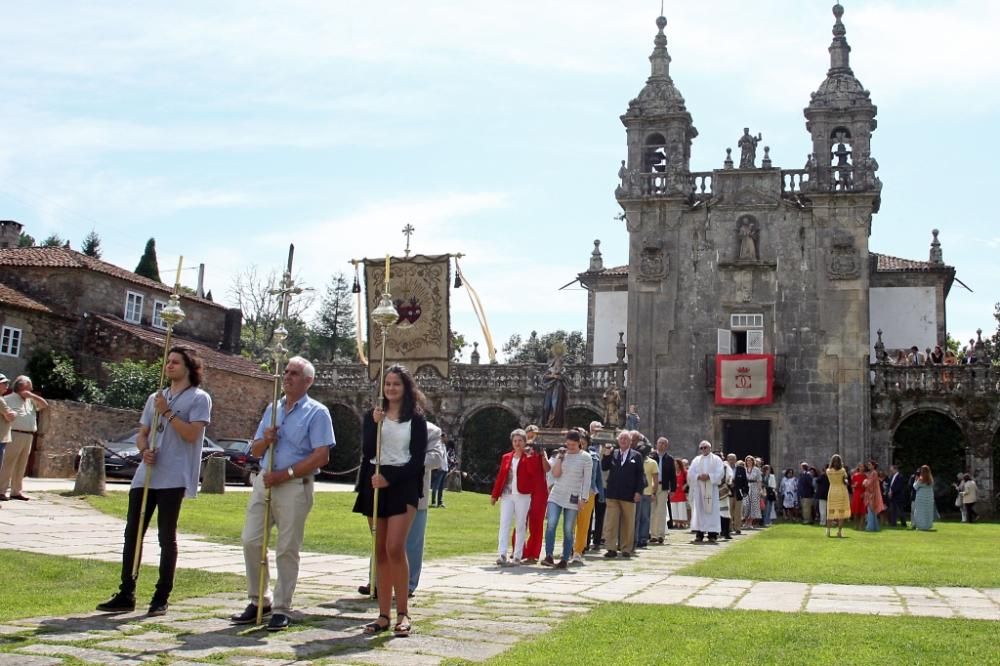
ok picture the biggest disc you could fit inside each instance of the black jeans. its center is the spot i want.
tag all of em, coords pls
(598, 534)
(167, 504)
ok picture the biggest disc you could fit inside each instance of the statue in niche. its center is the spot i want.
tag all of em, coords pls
(612, 407)
(623, 177)
(556, 393)
(748, 148)
(749, 236)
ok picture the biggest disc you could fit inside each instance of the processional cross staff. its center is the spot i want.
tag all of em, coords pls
(385, 316)
(408, 231)
(171, 314)
(286, 289)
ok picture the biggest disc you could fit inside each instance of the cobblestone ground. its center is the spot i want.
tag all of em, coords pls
(465, 607)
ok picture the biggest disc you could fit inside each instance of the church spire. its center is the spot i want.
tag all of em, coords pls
(660, 58)
(840, 50)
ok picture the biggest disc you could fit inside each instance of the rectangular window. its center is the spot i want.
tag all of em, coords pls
(10, 341)
(725, 341)
(157, 319)
(744, 321)
(133, 307)
(755, 342)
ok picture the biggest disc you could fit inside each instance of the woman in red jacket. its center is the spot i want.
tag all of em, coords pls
(518, 475)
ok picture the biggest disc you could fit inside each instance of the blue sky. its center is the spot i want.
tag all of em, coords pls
(228, 129)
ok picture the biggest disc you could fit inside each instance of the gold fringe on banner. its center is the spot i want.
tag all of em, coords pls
(477, 307)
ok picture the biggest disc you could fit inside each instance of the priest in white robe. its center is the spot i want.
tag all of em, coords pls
(704, 475)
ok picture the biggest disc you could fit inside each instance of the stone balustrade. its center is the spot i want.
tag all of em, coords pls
(940, 380)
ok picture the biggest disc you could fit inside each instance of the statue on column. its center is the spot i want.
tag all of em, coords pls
(556, 393)
(748, 148)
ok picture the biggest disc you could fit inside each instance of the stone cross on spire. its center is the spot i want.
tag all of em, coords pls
(840, 50)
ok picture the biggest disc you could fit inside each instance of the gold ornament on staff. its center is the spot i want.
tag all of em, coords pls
(286, 289)
(172, 315)
(384, 315)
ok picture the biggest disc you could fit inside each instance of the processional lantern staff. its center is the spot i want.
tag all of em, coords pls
(171, 314)
(385, 316)
(286, 289)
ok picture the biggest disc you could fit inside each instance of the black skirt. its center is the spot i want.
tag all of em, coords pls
(392, 501)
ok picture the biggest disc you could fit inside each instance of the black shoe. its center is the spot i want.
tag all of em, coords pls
(626, 554)
(157, 608)
(365, 590)
(611, 553)
(3, 498)
(547, 562)
(278, 622)
(120, 603)
(249, 614)
(20, 497)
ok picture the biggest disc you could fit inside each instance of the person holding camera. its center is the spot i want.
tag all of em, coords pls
(572, 473)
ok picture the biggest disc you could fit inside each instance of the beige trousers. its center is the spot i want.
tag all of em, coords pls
(736, 512)
(619, 525)
(15, 462)
(290, 505)
(658, 521)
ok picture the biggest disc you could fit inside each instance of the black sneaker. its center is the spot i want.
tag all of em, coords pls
(278, 622)
(157, 608)
(120, 603)
(249, 614)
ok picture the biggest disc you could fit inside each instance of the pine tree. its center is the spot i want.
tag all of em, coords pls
(333, 329)
(147, 263)
(25, 240)
(92, 245)
(54, 240)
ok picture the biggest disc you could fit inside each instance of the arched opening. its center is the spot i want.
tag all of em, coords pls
(655, 154)
(485, 437)
(346, 455)
(934, 439)
(580, 417)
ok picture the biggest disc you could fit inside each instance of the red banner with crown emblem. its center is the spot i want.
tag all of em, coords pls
(744, 379)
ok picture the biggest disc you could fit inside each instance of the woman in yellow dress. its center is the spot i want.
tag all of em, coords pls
(838, 502)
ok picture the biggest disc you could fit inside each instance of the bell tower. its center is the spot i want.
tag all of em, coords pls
(841, 118)
(659, 132)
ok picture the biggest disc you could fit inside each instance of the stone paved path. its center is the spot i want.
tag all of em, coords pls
(465, 606)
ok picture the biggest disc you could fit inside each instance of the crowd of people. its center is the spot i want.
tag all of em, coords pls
(913, 357)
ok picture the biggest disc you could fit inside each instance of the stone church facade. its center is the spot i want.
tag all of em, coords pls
(752, 259)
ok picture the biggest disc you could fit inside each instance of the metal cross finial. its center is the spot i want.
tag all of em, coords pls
(408, 231)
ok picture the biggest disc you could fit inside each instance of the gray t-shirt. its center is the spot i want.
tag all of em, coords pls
(178, 463)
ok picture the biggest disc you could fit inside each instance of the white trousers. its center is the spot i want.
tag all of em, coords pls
(513, 510)
(290, 505)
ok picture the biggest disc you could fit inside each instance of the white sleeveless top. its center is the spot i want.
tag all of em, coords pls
(395, 443)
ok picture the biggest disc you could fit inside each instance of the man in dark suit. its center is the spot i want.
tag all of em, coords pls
(898, 496)
(622, 492)
(661, 498)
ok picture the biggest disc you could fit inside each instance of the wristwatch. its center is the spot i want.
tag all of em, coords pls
(291, 472)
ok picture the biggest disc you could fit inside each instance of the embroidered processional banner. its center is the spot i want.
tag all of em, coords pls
(421, 336)
(744, 379)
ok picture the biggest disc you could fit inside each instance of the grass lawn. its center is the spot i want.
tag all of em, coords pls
(955, 554)
(36, 585)
(640, 634)
(468, 525)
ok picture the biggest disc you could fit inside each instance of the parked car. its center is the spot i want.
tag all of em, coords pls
(241, 465)
(122, 458)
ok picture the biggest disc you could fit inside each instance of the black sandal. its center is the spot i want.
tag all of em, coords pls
(403, 626)
(377, 627)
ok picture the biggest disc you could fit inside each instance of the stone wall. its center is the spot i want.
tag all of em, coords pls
(66, 426)
(38, 331)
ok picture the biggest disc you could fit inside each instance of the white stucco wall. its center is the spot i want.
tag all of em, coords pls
(610, 317)
(906, 315)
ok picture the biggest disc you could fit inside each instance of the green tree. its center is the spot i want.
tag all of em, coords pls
(993, 342)
(148, 266)
(536, 349)
(54, 240)
(54, 375)
(332, 332)
(92, 245)
(458, 345)
(25, 240)
(130, 383)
